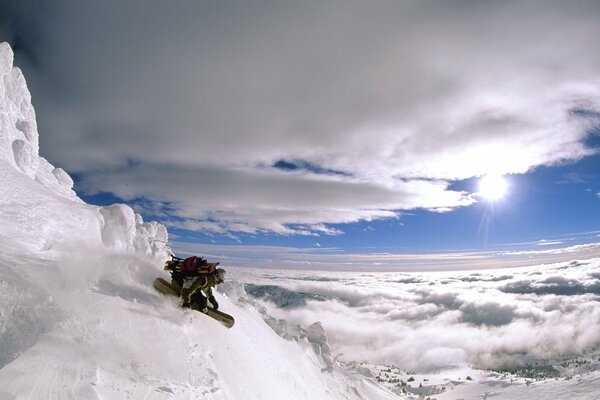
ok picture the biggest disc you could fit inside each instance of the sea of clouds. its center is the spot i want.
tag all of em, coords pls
(434, 321)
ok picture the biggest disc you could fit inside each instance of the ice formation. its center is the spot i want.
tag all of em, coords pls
(50, 189)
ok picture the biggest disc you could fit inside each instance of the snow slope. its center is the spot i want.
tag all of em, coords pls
(79, 318)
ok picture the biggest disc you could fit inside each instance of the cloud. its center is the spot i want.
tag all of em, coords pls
(219, 199)
(548, 243)
(556, 285)
(478, 278)
(409, 279)
(489, 313)
(446, 300)
(576, 178)
(421, 326)
(390, 102)
(335, 259)
(580, 248)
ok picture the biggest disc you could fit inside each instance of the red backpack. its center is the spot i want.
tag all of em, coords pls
(190, 266)
(197, 265)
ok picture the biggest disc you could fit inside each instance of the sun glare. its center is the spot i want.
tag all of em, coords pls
(493, 187)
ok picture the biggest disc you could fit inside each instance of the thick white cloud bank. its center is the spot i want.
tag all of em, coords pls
(434, 321)
(540, 322)
(386, 103)
(79, 318)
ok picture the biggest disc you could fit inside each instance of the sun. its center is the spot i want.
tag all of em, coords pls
(492, 187)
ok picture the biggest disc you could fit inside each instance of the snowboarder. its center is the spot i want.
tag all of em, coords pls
(200, 290)
(193, 280)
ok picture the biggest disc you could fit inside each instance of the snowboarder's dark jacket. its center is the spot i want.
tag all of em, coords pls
(202, 286)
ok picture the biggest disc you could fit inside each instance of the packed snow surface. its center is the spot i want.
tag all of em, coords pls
(79, 318)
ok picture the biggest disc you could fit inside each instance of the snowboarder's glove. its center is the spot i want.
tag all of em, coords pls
(213, 301)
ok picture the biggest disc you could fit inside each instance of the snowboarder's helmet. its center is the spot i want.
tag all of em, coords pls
(220, 274)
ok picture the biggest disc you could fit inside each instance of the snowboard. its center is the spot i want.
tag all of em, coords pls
(165, 287)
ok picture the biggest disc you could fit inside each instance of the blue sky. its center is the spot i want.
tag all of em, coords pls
(356, 128)
(557, 204)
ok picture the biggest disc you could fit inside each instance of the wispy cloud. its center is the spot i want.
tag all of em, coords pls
(327, 259)
(549, 242)
(574, 177)
(582, 248)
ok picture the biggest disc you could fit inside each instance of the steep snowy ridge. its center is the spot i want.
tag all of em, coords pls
(19, 143)
(47, 209)
(79, 318)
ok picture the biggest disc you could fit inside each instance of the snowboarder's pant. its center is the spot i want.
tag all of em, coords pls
(199, 299)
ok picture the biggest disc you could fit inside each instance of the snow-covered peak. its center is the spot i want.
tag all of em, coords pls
(41, 197)
(19, 140)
